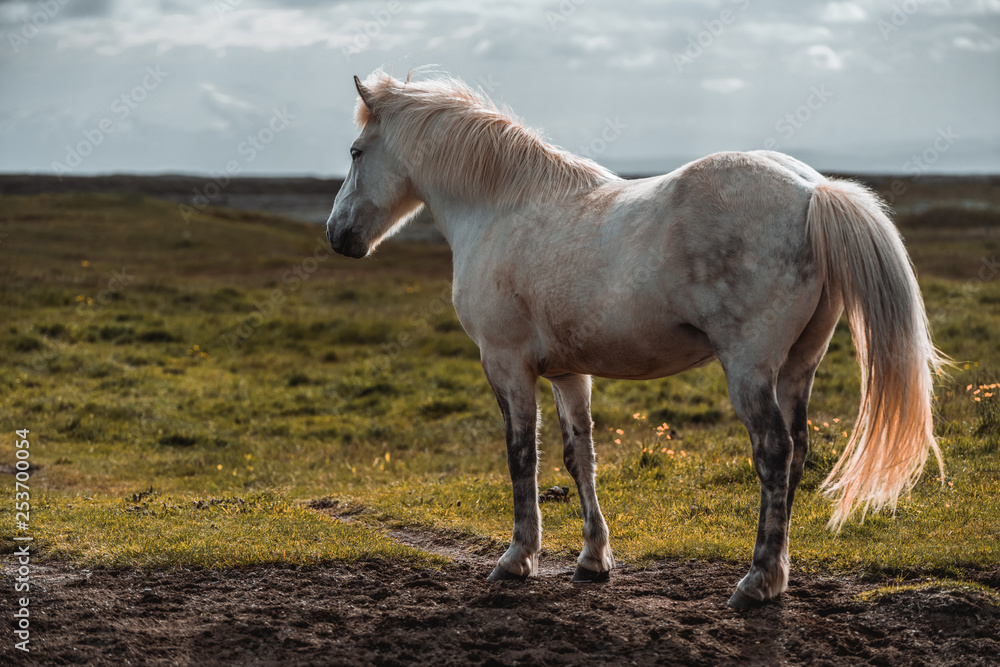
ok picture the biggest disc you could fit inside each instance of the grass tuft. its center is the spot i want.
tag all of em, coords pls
(933, 587)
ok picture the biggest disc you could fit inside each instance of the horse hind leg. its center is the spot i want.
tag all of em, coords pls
(775, 414)
(793, 388)
(755, 401)
(795, 382)
(572, 394)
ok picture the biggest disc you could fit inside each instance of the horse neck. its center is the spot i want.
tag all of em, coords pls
(463, 223)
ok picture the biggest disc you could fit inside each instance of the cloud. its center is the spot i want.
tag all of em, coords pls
(783, 32)
(228, 110)
(823, 57)
(724, 86)
(641, 60)
(842, 12)
(593, 43)
(224, 100)
(979, 43)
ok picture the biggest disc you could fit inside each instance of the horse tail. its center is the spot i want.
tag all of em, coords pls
(861, 256)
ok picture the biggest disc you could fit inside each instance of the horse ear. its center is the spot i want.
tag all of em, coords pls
(366, 95)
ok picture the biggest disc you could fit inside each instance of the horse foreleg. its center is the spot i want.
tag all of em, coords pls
(572, 394)
(515, 393)
(757, 407)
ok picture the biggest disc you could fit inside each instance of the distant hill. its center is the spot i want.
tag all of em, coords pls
(166, 185)
(310, 199)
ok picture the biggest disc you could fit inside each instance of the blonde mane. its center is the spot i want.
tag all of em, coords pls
(463, 144)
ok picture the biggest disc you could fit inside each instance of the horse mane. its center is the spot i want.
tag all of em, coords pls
(463, 144)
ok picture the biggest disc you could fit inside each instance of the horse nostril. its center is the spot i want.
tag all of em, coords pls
(339, 241)
(347, 244)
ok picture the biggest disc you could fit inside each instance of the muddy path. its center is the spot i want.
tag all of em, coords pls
(379, 613)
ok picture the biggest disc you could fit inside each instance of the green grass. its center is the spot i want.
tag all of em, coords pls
(232, 358)
(163, 531)
(932, 585)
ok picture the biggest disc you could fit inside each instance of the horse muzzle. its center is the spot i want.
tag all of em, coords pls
(347, 244)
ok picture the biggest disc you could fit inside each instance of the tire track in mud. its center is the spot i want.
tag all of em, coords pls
(458, 549)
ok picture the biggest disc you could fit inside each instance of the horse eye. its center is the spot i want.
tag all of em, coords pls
(355, 153)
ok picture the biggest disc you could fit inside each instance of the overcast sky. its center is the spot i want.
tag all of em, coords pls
(182, 85)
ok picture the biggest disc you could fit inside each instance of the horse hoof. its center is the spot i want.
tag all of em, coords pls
(585, 575)
(500, 574)
(742, 601)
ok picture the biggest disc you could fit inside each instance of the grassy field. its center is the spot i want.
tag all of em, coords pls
(190, 388)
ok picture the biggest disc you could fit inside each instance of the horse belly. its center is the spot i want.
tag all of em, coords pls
(643, 352)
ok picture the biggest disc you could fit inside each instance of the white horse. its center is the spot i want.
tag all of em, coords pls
(564, 270)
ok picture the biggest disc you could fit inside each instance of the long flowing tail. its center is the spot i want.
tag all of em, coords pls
(863, 257)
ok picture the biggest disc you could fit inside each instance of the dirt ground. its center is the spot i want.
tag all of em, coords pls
(380, 613)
